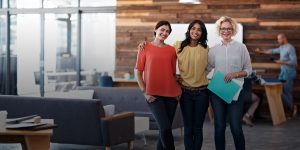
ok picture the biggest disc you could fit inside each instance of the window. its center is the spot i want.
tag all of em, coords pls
(98, 42)
(48, 41)
(97, 3)
(60, 3)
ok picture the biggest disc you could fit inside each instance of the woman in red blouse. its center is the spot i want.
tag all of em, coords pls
(156, 70)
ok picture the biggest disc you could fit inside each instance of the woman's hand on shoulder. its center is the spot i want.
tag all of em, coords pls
(141, 46)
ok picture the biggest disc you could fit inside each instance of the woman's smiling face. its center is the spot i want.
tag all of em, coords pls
(162, 32)
(195, 32)
(226, 30)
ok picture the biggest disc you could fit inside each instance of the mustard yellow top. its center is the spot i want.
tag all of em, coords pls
(192, 63)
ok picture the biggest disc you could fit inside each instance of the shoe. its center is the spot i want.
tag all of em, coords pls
(288, 116)
(295, 111)
(248, 121)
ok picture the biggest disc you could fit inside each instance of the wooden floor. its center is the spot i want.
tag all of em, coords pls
(263, 136)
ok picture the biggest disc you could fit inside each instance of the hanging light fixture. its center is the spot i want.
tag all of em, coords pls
(190, 1)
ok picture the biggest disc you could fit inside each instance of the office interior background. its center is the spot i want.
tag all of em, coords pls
(77, 36)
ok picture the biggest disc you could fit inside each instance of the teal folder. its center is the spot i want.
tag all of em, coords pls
(225, 91)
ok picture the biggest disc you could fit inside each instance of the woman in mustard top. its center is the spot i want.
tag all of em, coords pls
(192, 55)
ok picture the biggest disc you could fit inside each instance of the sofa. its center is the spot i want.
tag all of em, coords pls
(130, 99)
(80, 121)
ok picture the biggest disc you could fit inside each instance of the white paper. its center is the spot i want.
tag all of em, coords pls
(240, 83)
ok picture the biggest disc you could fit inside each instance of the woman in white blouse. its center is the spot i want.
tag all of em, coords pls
(232, 59)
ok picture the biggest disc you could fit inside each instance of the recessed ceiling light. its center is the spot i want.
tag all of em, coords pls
(190, 1)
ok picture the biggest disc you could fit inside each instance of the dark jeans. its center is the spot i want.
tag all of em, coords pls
(235, 113)
(194, 106)
(287, 95)
(163, 110)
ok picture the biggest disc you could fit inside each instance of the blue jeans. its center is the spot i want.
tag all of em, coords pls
(194, 106)
(235, 113)
(163, 110)
(288, 77)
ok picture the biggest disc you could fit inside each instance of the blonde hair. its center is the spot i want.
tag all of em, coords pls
(227, 19)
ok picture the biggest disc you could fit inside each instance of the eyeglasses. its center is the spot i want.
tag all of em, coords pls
(226, 29)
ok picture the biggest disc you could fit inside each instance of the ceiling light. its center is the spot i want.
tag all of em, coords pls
(190, 1)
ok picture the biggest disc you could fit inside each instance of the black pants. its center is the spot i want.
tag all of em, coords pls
(163, 110)
(234, 110)
(194, 106)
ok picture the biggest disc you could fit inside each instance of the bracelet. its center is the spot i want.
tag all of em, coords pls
(237, 75)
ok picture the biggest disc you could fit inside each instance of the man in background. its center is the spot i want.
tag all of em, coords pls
(288, 62)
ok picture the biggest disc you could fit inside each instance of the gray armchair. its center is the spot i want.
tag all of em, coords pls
(113, 129)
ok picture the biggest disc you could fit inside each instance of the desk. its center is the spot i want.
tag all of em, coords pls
(66, 76)
(273, 93)
(265, 66)
(30, 140)
(119, 82)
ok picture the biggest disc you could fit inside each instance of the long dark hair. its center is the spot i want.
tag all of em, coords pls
(162, 23)
(202, 40)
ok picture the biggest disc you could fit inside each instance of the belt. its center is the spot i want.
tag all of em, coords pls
(194, 88)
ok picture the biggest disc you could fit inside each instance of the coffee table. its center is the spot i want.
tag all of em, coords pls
(30, 140)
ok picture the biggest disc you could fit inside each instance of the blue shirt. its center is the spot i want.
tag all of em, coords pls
(287, 53)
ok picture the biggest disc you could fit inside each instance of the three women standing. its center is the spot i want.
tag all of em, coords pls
(194, 60)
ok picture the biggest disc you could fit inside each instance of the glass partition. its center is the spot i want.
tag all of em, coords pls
(50, 41)
(98, 42)
(3, 26)
(60, 3)
(25, 3)
(3, 3)
(25, 46)
(97, 3)
(60, 50)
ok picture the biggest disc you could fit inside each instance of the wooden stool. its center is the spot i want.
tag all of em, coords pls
(273, 93)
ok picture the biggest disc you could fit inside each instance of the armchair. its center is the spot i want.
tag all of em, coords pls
(117, 128)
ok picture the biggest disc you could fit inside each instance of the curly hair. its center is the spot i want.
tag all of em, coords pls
(227, 19)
